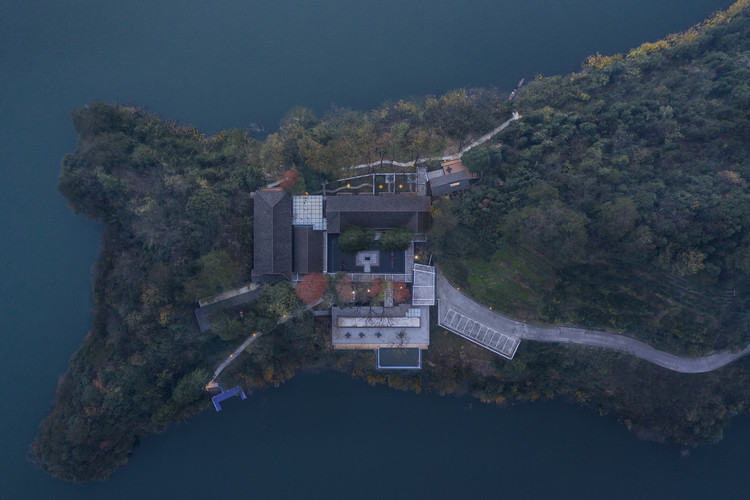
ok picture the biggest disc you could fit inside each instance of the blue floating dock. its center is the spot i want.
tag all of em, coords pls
(226, 395)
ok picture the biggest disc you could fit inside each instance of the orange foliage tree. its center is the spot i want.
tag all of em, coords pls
(401, 292)
(311, 288)
(374, 289)
(344, 289)
(289, 178)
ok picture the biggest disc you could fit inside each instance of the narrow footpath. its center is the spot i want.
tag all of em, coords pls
(486, 137)
(252, 338)
(501, 334)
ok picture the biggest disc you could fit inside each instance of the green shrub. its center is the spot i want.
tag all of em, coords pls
(396, 239)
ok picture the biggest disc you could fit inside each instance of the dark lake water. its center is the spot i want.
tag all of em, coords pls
(228, 63)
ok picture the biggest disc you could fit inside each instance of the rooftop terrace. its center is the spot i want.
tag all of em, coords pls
(373, 327)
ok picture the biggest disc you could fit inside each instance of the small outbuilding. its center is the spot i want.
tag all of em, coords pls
(454, 176)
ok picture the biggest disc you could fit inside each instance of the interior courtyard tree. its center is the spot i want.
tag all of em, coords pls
(354, 239)
(396, 239)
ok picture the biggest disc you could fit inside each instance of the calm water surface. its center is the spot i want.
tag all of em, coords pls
(224, 64)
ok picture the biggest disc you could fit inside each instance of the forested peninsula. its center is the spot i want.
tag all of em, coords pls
(619, 202)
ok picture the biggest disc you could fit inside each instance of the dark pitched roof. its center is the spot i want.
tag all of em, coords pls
(442, 184)
(449, 178)
(308, 250)
(378, 212)
(271, 196)
(272, 242)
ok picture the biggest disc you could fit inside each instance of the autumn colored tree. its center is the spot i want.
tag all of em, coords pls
(292, 182)
(401, 292)
(289, 178)
(374, 289)
(344, 289)
(312, 287)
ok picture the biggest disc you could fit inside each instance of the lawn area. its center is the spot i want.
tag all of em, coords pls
(513, 281)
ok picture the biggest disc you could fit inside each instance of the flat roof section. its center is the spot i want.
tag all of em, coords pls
(373, 327)
(454, 166)
(307, 210)
(423, 286)
(378, 322)
(435, 173)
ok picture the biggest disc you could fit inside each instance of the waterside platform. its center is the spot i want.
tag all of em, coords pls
(226, 395)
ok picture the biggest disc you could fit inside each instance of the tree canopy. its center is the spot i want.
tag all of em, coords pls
(354, 239)
(396, 239)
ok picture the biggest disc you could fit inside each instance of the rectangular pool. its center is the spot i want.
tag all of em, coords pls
(399, 358)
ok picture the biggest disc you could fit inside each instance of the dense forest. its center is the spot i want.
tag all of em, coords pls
(622, 199)
(618, 201)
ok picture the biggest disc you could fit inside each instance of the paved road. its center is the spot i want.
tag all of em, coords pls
(449, 298)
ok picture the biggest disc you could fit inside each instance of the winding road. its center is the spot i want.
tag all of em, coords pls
(501, 334)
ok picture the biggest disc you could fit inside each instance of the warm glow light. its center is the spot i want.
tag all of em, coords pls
(348, 185)
(400, 185)
(381, 186)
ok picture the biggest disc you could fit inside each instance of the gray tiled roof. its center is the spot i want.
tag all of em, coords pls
(378, 212)
(442, 185)
(449, 178)
(272, 242)
(308, 250)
